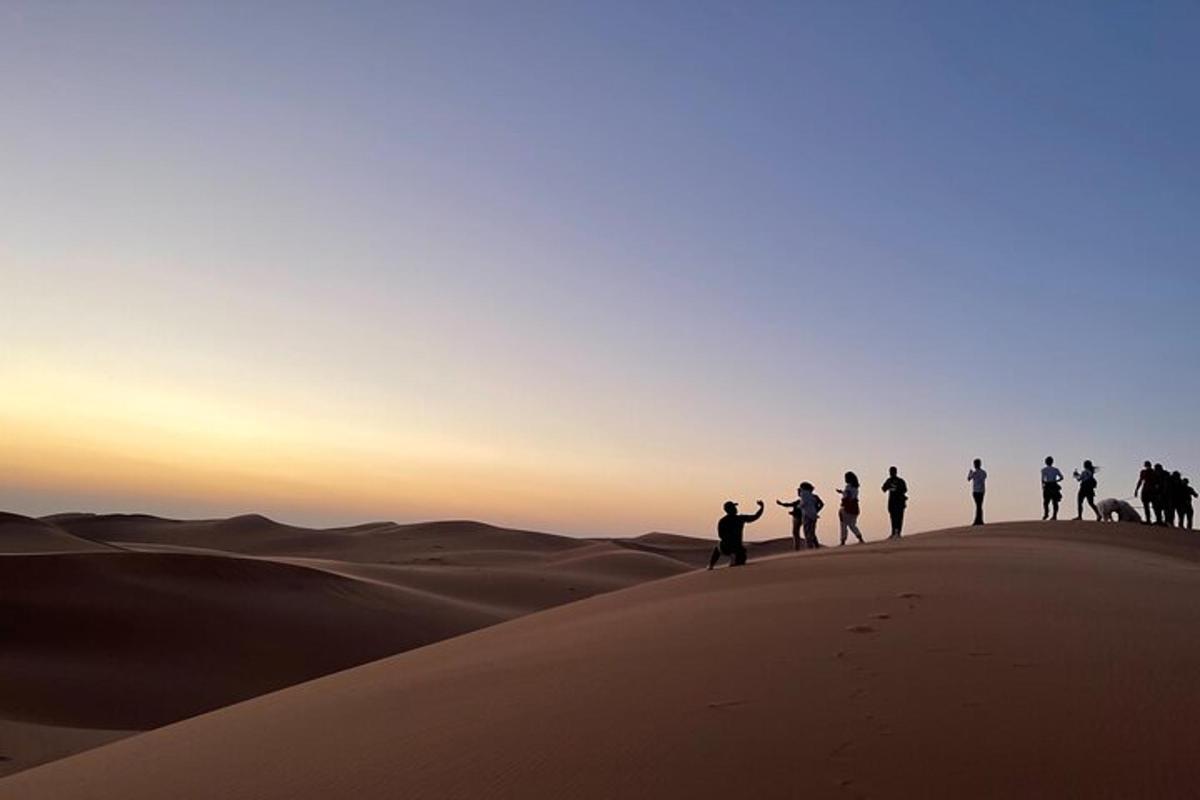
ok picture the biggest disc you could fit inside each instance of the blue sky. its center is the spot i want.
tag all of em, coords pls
(594, 267)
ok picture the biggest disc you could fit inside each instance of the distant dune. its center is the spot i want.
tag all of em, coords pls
(1018, 660)
(118, 623)
(27, 535)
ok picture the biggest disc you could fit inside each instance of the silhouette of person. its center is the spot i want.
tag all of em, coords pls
(810, 509)
(848, 513)
(1146, 489)
(1173, 497)
(978, 479)
(1160, 495)
(897, 501)
(1087, 489)
(1185, 504)
(729, 534)
(1051, 489)
(797, 518)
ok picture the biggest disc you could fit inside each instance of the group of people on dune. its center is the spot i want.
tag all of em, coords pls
(805, 510)
(1167, 494)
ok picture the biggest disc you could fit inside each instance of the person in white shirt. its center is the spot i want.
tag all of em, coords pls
(978, 479)
(1051, 489)
(848, 513)
(1087, 488)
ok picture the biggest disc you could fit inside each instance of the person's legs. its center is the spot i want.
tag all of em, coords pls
(900, 522)
(1145, 508)
(1188, 513)
(796, 541)
(1045, 505)
(1079, 504)
(810, 532)
(739, 555)
(1091, 500)
(1054, 501)
(842, 526)
(978, 507)
(715, 557)
(852, 524)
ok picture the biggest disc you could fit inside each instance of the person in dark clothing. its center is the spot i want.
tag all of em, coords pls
(1160, 495)
(978, 478)
(897, 500)
(1087, 489)
(729, 534)
(1146, 489)
(1173, 498)
(1185, 504)
(797, 515)
(1051, 488)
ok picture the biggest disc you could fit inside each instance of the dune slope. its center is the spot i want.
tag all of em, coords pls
(1020, 660)
(136, 640)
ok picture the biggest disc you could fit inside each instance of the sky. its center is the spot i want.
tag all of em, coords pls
(592, 268)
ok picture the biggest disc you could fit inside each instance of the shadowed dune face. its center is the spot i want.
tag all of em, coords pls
(123, 622)
(1015, 661)
(137, 640)
(20, 534)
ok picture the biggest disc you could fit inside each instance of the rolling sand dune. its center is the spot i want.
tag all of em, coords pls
(104, 640)
(20, 534)
(102, 615)
(1021, 660)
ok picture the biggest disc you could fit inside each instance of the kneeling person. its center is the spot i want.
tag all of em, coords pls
(729, 532)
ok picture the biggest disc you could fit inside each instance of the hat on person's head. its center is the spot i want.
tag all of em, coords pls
(730, 507)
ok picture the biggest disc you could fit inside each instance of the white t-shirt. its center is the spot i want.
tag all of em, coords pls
(1051, 475)
(977, 478)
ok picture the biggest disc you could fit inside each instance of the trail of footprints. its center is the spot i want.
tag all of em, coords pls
(843, 751)
(910, 597)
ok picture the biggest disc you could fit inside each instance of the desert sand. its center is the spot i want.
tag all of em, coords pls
(116, 624)
(1017, 660)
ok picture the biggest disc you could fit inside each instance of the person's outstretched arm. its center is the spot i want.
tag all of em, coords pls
(756, 515)
(792, 504)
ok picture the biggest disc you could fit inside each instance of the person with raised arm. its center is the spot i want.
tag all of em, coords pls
(729, 534)
(797, 518)
(1087, 488)
(848, 513)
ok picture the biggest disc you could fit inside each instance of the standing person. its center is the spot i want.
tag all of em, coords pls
(797, 519)
(897, 492)
(978, 479)
(1160, 494)
(1185, 508)
(1173, 497)
(810, 509)
(1051, 489)
(848, 513)
(729, 534)
(1087, 489)
(1146, 489)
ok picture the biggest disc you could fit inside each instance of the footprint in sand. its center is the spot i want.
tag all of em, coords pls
(861, 629)
(909, 596)
(727, 704)
(881, 616)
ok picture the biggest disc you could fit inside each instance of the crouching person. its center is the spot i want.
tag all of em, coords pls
(729, 534)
